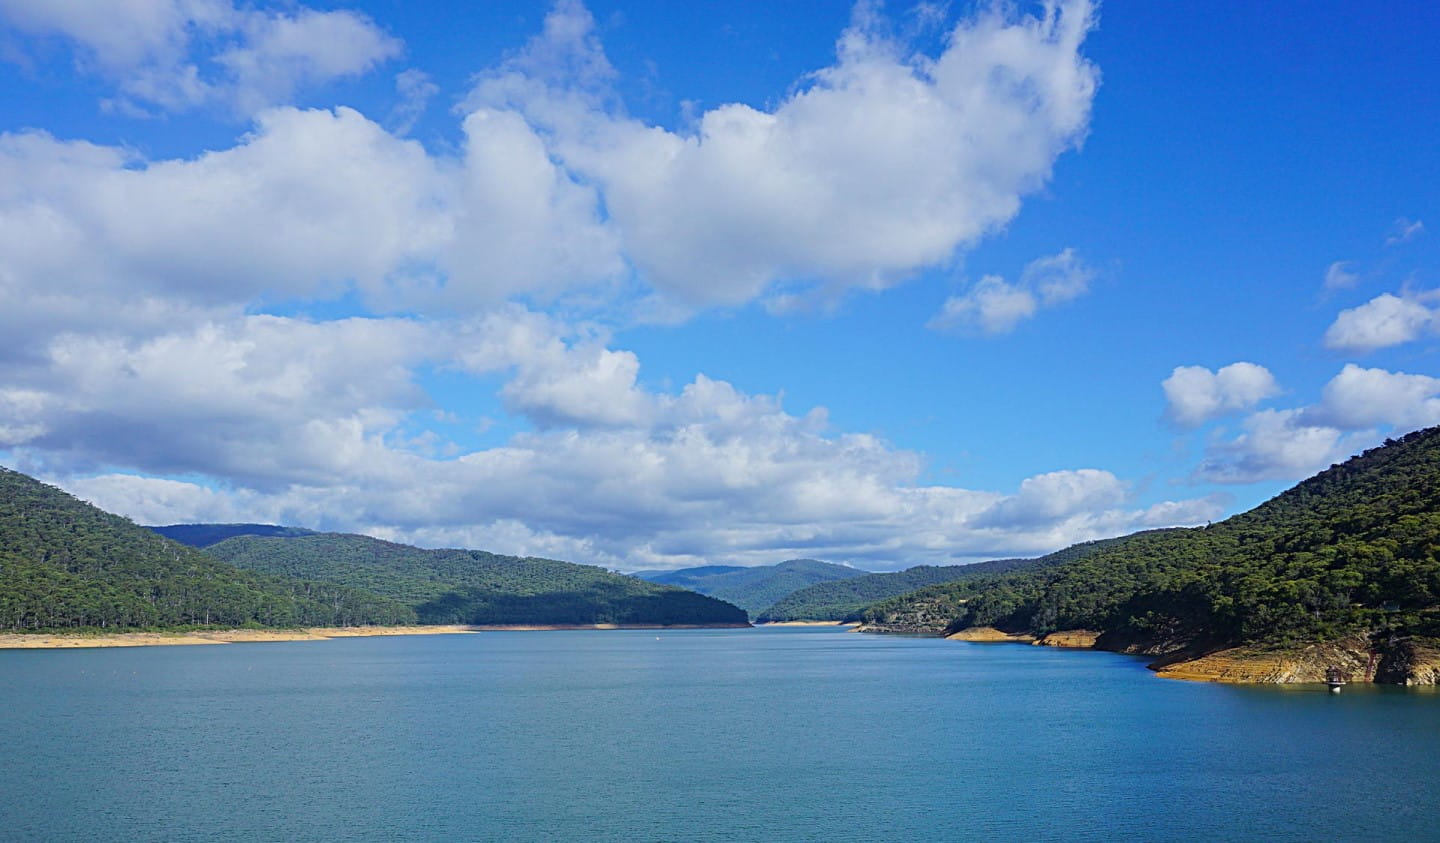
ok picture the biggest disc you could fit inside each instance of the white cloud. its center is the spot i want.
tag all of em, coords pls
(279, 53)
(1059, 278)
(308, 424)
(1277, 445)
(307, 206)
(885, 162)
(1356, 410)
(995, 306)
(992, 306)
(1404, 231)
(1359, 398)
(261, 400)
(1341, 275)
(1055, 496)
(1383, 321)
(179, 54)
(125, 284)
(311, 200)
(522, 225)
(1195, 395)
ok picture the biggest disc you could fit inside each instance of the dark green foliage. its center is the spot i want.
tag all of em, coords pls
(471, 586)
(844, 600)
(1354, 549)
(984, 587)
(756, 588)
(65, 564)
(204, 535)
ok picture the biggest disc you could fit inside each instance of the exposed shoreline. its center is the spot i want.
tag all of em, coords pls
(564, 627)
(808, 623)
(1411, 664)
(61, 641)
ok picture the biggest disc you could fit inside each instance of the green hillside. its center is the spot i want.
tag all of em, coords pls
(1355, 549)
(844, 600)
(755, 588)
(65, 564)
(474, 587)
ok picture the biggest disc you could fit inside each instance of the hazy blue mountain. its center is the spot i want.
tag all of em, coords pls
(755, 588)
(204, 535)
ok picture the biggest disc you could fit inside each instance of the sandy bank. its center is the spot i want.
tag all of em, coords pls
(808, 623)
(220, 636)
(534, 627)
(988, 634)
(1075, 639)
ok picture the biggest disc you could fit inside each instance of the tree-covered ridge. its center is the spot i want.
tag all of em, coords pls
(758, 587)
(204, 535)
(1354, 549)
(471, 586)
(67, 564)
(845, 600)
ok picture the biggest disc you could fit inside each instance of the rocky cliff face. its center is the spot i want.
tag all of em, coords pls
(1405, 662)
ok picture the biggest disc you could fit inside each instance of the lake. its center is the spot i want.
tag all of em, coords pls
(765, 734)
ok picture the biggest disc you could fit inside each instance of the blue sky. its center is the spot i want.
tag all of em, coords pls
(651, 285)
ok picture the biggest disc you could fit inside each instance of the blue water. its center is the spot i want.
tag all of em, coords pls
(788, 734)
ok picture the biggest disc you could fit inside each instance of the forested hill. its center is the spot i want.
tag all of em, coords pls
(844, 600)
(66, 564)
(754, 588)
(1353, 550)
(204, 535)
(475, 587)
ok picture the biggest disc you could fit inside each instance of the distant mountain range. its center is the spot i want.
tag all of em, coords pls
(754, 588)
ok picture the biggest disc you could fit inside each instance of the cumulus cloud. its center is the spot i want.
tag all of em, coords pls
(1383, 321)
(991, 306)
(1360, 398)
(261, 400)
(1357, 408)
(310, 204)
(885, 162)
(1277, 445)
(995, 306)
(128, 288)
(306, 422)
(1195, 395)
(179, 54)
(1055, 496)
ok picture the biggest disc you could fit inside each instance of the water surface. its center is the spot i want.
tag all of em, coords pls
(781, 734)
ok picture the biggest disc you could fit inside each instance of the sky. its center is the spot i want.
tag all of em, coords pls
(652, 285)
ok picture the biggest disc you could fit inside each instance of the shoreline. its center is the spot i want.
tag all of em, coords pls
(572, 627)
(62, 641)
(1415, 664)
(808, 623)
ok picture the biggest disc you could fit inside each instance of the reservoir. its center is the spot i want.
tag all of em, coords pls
(764, 734)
